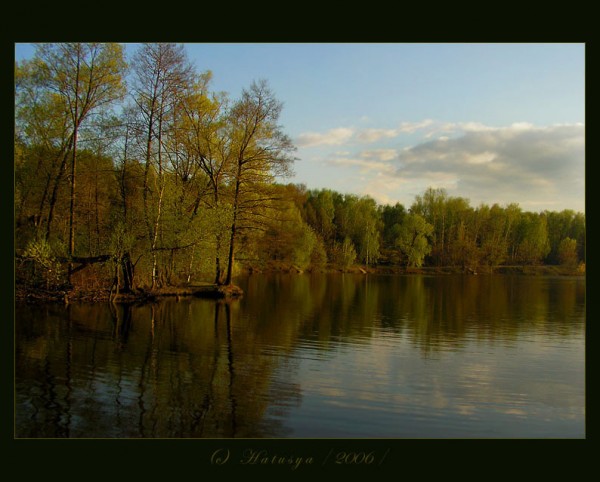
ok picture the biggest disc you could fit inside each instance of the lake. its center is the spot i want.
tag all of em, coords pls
(312, 356)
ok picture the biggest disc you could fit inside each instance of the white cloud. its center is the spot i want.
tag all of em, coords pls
(480, 157)
(341, 135)
(383, 187)
(366, 165)
(332, 137)
(536, 167)
(373, 162)
(521, 163)
(373, 135)
(380, 154)
(410, 127)
(522, 126)
(474, 127)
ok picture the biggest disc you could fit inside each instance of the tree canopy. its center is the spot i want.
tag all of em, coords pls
(132, 172)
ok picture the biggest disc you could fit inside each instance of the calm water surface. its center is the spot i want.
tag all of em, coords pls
(313, 356)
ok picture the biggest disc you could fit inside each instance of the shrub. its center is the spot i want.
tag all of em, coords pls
(41, 266)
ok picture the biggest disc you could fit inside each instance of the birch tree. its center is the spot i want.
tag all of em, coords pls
(162, 75)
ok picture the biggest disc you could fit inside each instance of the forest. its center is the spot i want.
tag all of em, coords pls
(131, 173)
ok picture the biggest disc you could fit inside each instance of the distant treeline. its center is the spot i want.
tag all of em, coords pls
(440, 230)
(178, 186)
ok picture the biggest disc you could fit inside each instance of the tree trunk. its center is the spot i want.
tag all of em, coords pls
(233, 227)
(218, 280)
(231, 253)
(72, 207)
(127, 268)
(54, 196)
(76, 121)
(189, 276)
(218, 237)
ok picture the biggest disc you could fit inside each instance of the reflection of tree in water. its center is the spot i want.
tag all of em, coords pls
(446, 311)
(198, 368)
(169, 369)
(210, 380)
(435, 312)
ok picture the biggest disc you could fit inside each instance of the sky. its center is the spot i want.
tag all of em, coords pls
(493, 123)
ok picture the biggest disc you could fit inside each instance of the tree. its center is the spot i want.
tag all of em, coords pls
(207, 145)
(392, 218)
(182, 184)
(364, 229)
(578, 234)
(567, 252)
(493, 237)
(344, 254)
(320, 213)
(162, 75)
(413, 239)
(511, 234)
(42, 144)
(260, 150)
(126, 247)
(432, 205)
(532, 234)
(86, 77)
(561, 225)
(288, 239)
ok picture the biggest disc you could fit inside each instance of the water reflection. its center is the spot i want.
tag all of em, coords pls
(433, 311)
(336, 355)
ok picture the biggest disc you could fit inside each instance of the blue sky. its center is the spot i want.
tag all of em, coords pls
(494, 123)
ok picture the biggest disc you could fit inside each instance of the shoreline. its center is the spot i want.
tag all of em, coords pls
(232, 292)
(540, 270)
(140, 295)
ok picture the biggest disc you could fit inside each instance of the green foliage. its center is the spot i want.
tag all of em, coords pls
(320, 212)
(413, 239)
(184, 174)
(567, 252)
(44, 267)
(121, 240)
(304, 247)
(318, 257)
(365, 228)
(335, 217)
(532, 235)
(494, 235)
(392, 218)
(561, 225)
(344, 254)
(289, 241)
